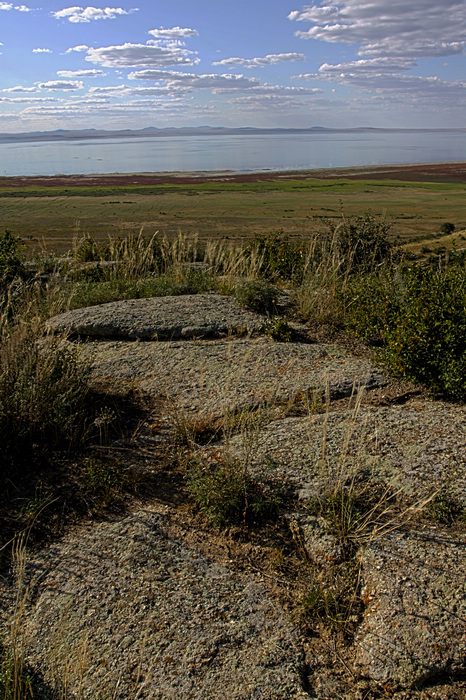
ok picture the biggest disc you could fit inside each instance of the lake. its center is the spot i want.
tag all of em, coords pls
(238, 153)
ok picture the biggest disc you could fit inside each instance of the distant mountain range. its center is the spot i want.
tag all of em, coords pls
(153, 131)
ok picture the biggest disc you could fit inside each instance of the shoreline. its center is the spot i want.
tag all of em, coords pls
(414, 172)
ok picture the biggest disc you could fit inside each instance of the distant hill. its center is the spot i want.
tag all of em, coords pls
(153, 131)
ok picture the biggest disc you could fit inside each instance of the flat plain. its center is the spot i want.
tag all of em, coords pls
(52, 211)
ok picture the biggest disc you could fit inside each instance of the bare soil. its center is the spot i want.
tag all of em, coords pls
(425, 172)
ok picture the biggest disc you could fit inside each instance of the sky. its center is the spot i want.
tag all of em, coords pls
(234, 63)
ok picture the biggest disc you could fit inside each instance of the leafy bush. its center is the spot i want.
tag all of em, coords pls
(419, 316)
(11, 264)
(280, 330)
(371, 302)
(446, 228)
(278, 258)
(425, 340)
(362, 241)
(258, 295)
(87, 250)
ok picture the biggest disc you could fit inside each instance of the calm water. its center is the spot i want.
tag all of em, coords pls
(238, 153)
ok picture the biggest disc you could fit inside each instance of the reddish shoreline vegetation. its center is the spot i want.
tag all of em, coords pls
(425, 172)
(233, 464)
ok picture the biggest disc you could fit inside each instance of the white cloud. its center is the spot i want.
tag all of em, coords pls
(61, 85)
(20, 88)
(173, 33)
(128, 55)
(79, 48)
(211, 81)
(91, 73)
(369, 65)
(397, 85)
(10, 6)
(274, 104)
(276, 90)
(41, 51)
(124, 90)
(268, 60)
(27, 100)
(388, 28)
(87, 14)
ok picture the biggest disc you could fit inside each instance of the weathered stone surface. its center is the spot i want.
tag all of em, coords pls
(123, 611)
(210, 377)
(414, 627)
(140, 614)
(186, 316)
(416, 448)
(321, 547)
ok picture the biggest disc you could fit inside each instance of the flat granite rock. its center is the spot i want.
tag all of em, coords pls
(212, 376)
(184, 316)
(414, 627)
(124, 611)
(417, 448)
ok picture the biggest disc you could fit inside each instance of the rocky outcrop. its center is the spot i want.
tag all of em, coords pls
(189, 316)
(126, 609)
(122, 610)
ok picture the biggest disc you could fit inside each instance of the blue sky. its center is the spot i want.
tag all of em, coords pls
(262, 63)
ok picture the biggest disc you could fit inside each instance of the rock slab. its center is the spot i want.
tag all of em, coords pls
(160, 318)
(123, 611)
(214, 376)
(414, 628)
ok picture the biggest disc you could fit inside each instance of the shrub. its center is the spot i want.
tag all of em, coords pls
(226, 493)
(371, 302)
(11, 264)
(419, 317)
(425, 340)
(87, 250)
(258, 295)
(280, 330)
(44, 394)
(362, 242)
(278, 258)
(446, 228)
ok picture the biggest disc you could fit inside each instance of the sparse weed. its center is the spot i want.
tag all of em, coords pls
(44, 393)
(279, 329)
(104, 477)
(333, 598)
(224, 492)
(445, 508)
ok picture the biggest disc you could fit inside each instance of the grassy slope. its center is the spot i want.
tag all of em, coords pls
(235, 210)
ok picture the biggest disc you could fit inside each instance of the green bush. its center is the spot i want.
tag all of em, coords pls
(279, 330)
(446, 228)
(371, 301)
(279, 259)
(419, 317)
(426, 339)
(11, 264)
(225, 493)
(361, 242)
(258, 295)
(87, 250)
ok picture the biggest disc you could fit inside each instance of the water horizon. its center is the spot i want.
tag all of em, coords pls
(235, 153)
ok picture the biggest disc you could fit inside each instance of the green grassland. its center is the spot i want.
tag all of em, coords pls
(224, 210)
